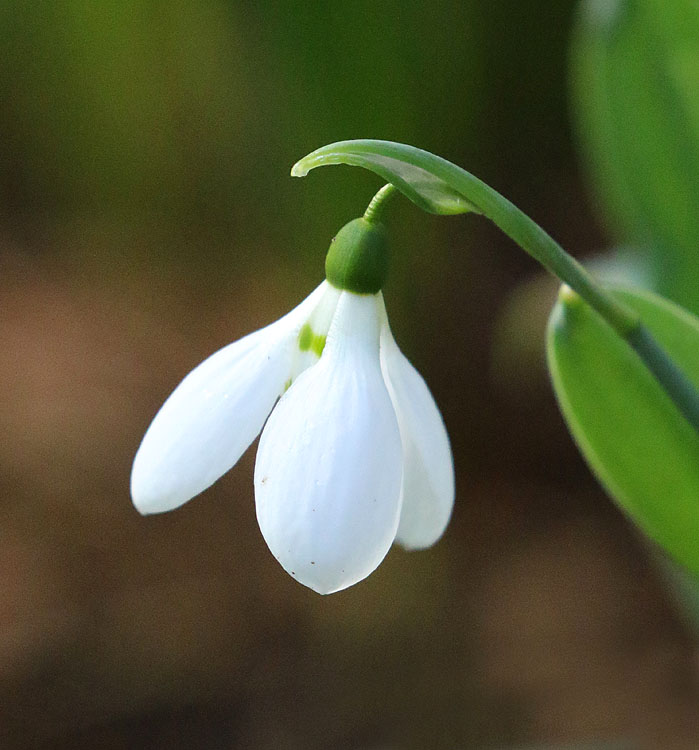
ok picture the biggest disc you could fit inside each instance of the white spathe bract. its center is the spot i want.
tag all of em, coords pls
(354, 456)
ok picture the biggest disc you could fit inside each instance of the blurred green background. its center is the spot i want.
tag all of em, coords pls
(147, 218)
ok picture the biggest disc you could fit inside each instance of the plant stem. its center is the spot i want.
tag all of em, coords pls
(539, 244)
(667, 373)
(376, 207)
(432, 183)
(626, 322)
(543, 248)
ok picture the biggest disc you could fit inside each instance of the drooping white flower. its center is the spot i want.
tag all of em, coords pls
(353, 457)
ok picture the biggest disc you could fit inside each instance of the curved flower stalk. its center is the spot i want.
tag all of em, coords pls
(354, 455)
(624, 365)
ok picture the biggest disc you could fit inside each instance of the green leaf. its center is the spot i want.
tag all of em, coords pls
(635, 76)
(630, 432)
(418, 174)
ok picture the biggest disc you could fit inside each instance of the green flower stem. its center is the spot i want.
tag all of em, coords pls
(543, 248)
(667, 373)
(375, 209)
(440, 187)
(673, 380)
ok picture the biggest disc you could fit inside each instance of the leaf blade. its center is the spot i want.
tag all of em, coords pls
(633, 437)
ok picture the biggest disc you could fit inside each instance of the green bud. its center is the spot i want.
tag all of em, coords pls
(358, 257)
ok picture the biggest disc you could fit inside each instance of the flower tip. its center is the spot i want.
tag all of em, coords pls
(146, 506)
(326, 591)
(323, 585)
(143, 510)
(321, 589)
(418, 543)
(149, 498)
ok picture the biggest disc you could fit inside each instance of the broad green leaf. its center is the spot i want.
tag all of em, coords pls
(419, 175)
(631, 434)
(635, 76)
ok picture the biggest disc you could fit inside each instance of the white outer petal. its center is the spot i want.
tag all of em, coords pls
(428, 467)
(329, 466)
(214, 414)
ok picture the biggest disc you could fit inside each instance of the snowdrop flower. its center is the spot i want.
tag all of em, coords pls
(353, 456)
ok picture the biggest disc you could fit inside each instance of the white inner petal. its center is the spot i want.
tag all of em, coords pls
(313, 332)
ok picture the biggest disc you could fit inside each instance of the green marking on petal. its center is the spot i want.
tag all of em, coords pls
(309, 341)
(318, 344)
(287, 385)
(306, 338)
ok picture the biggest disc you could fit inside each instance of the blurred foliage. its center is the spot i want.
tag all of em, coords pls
(635, 75)
(179, 121)
(122, 110)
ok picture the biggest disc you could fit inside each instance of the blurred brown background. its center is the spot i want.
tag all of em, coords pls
(146, 219)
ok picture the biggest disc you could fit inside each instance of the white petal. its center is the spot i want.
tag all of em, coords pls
(428, 468)
(328, 470)
(318, 324)
(215, 413)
